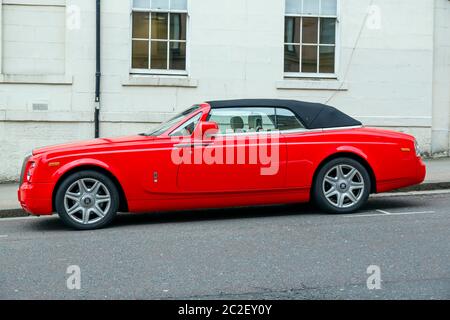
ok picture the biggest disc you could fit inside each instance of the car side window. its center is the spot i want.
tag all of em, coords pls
(286, 120)
(187, 128)
(243, 120)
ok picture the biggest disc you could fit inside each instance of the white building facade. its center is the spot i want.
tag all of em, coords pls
(386, 63)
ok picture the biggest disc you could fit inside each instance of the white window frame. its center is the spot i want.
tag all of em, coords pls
(160, 72)
(336, 45)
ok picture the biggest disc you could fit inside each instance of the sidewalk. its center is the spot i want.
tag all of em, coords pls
(9, 206)
(438, 177)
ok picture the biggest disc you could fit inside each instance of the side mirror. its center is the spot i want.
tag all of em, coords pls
(207, 130)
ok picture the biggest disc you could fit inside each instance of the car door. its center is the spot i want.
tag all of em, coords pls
(300, 148)
(246, 155)
(157, 170)
(157, 162)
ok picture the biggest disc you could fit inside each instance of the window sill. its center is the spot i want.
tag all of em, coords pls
(308, 84)
(159, 81)
(36, 79)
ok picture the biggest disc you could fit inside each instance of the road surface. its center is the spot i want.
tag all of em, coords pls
(282, 252)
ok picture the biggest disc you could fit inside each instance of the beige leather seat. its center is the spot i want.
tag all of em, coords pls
(255, 123)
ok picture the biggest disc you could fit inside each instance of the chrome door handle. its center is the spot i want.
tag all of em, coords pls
(182, 146)
(192, 145)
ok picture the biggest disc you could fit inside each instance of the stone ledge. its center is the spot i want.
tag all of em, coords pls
(57, 3)
(36, 79)
(159, 81)
(298, 84)
(83, 116)
(47, 116)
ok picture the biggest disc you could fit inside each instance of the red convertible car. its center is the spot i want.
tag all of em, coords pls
(222, 154)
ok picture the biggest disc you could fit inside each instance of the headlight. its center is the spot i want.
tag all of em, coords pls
(416, 146)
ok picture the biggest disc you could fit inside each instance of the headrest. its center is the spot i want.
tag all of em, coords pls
(236, 123)
(255, 121)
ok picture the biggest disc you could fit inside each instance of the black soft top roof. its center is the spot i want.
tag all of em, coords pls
(312, 115)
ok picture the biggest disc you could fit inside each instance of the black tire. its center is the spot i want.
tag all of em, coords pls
(110, 210)
(319, 187)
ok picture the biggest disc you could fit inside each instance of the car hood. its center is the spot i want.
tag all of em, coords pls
(94, 143)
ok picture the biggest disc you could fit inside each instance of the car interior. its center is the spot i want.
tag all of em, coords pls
(237, 124)
(255, 123)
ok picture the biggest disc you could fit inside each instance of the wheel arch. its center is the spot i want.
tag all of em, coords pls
(123, 203)
(352, 155)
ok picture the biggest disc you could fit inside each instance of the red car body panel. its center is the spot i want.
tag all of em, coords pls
(132, 162)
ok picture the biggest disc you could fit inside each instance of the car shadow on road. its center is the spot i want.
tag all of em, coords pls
(188, 216)
(299, 209)
(303, 209)
(396, 203)
(217, 214)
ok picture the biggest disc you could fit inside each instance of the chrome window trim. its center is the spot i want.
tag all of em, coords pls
(294, 131)
(247, 134)
(343, 128)
(326, 129)
(195, 114)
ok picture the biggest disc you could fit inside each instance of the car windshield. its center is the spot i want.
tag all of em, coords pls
(170, 123)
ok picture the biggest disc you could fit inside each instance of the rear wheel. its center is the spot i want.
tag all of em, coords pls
(87, 200)
(342, 186)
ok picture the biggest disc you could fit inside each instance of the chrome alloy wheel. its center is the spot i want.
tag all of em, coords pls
(87, 201)
(343, 186)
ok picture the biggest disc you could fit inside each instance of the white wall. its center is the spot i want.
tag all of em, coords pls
(30, 45)
(235, 51)
(441, 79)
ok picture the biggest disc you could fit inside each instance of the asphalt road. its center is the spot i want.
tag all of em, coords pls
(284, 252)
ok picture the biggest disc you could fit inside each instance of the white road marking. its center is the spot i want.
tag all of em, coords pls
(362, 215)
(414, 212)
(2, 236)
(410, 193)
(386, 213)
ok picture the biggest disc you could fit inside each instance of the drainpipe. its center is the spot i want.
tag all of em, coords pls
(97, 70)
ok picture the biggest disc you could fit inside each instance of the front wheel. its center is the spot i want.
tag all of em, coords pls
(87, 200)
(342, 186)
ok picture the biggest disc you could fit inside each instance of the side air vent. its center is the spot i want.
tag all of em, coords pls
(40, 106)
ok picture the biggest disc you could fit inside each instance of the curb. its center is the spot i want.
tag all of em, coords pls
(14, 213)
(427, 186)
